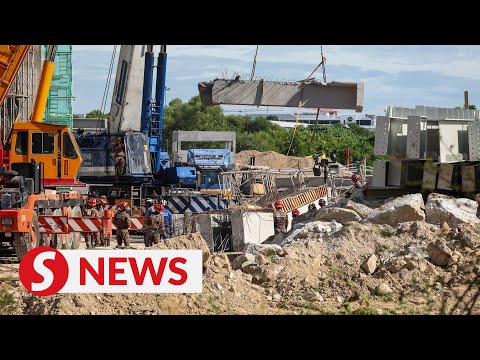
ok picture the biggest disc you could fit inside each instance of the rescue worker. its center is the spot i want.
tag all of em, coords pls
(356, 181)
(92, 239)
(168, 221)
(119, 156)
(101, 204)
(295, 214)
(122, 222)
(156, 225)
(316, 166)
(280, 218)
(150, 208)
(324, 164)
(322, 203)
(333, 157)
(312, 207)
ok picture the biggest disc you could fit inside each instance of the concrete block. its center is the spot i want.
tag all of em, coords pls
(336, 95)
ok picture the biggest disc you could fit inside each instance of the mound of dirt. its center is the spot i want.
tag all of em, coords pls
(317, 272)
(224, 291)
(273, 160)
(193, 241)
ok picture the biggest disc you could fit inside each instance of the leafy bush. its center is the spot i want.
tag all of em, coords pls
(261, 135)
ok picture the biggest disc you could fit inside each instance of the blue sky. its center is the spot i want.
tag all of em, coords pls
(393, 74)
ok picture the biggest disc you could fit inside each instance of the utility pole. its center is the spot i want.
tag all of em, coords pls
(465, 96)
(347, 158)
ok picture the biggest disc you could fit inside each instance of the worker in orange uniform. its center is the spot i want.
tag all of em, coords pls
(122, 222)
(92, 239)
(280, 218)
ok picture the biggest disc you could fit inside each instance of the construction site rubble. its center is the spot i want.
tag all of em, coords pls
(359, 208)
(405, 266)
(442, 208)
(402, 209)
(341, 215)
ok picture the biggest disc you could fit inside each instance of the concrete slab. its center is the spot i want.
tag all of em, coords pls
(336, 95)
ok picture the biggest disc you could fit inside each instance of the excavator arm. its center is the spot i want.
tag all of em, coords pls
(52, 145)
(11, 59)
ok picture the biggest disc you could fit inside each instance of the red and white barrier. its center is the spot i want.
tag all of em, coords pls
(64, 224)
(136, 223)
(53, 224)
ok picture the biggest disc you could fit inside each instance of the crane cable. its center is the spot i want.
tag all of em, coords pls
(107, 87)
(254, 64)
(302, 86)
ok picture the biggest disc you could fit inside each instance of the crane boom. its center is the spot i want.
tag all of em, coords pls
(126, 106)
(44, 86)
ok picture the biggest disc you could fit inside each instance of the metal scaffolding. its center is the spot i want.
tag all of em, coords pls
(21, 97)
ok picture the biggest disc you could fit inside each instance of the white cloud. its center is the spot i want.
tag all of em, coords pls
(384, 69)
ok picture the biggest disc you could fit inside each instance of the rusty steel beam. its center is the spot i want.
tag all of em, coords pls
(335, 95)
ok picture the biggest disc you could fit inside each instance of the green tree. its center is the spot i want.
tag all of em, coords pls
(261, 135)
(96, 114)
(471, 107)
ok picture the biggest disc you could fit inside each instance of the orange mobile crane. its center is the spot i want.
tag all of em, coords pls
(44, 156)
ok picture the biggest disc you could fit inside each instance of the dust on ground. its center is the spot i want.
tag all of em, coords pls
(318, 273)
(273, 160)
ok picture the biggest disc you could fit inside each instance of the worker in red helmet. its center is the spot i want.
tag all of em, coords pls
(102, 203)
(295, 214)
(92, 239)
(280, 218)
(149, 207)
(122, 222)
(155, 225)
(356, 181)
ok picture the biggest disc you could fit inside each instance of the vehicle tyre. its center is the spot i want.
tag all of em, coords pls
(23, 242)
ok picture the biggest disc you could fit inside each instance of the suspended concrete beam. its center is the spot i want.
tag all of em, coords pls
(335, 95)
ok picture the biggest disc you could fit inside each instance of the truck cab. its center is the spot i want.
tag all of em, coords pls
(209, 163)
(52, 145)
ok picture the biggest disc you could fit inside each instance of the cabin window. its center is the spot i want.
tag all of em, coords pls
(68, 148)
(43, 143)
(21, 145)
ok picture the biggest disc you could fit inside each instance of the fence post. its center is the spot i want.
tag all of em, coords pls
(107, 225)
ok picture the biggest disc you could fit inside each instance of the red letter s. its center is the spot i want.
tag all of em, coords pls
(183, 274)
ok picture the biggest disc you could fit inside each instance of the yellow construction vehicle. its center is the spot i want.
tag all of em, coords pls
(38, 156)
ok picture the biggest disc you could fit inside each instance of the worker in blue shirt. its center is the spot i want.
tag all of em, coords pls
(167, 218)
(149, 206)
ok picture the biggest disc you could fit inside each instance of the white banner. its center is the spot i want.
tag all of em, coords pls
(132, 271)
(45, 271)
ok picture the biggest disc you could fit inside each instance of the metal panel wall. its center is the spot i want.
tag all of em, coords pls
(380, 173)
(474, 140)
(381, 136)
(445, 177)
(413, 137)
(430, 171)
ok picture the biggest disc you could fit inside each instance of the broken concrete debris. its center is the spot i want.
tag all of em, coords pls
(402, 209)
(370, 264)
(450, 210)
(317, 267)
